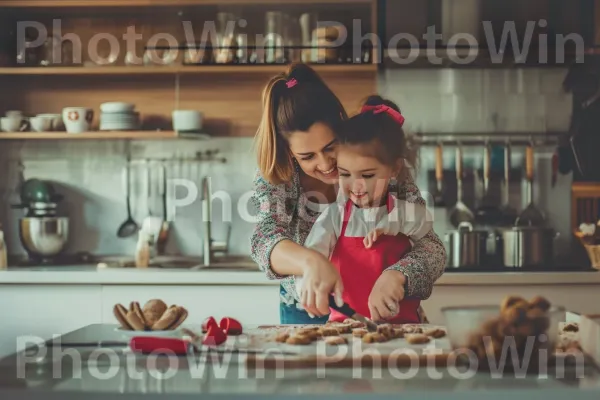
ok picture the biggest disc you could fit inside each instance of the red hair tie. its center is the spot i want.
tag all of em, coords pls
(378, 109)
(291, 83)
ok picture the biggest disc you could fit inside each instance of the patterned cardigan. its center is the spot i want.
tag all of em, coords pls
(283, 214)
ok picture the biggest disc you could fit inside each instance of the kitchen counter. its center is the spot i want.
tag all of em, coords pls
(89, 274)
(118, 372)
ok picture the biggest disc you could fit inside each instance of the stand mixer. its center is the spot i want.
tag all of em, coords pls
(43, 233)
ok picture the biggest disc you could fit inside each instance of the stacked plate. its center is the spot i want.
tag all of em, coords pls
(118, 116)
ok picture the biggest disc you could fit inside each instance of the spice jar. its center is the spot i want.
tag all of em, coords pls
(143, 253)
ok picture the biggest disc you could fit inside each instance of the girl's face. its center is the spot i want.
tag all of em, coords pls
(315, 151)
(364, 179)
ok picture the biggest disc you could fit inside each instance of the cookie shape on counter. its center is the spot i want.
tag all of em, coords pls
(335, 340)
(416, 338)
(154, 316)
(435, 333)
(299, 340)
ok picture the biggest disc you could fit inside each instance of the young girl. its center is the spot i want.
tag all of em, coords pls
(370, 228)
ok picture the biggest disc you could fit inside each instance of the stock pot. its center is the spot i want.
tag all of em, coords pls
(527, 246)
(466, 247)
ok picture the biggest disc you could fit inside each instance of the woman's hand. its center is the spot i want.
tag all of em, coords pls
(319, 280)
(387, 292)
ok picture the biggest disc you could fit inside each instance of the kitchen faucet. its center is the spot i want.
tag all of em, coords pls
(209, 246)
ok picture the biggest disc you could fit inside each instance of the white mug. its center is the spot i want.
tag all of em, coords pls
(14, 113)
(187, 120)
(77, 119)
(57, 121)
(14, 123)
(41, 123)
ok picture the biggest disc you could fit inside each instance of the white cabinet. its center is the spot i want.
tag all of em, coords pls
(249, 304)
(38, 312)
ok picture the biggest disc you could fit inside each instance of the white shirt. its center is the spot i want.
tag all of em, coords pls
(411, 219)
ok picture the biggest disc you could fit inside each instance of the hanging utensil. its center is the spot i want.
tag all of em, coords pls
(510, 214)
(487, 213)
(531, 215)
(460, 213)
(554, 168)
(438, 199)
(163, 235)
(149, 187)
(129, 227)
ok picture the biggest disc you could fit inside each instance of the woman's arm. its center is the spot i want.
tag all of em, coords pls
(276, 253)
(272, 244)
(426, 262)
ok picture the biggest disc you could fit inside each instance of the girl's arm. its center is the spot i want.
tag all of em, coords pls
(426, 262)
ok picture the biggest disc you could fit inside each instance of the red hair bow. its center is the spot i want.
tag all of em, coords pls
(386, 109)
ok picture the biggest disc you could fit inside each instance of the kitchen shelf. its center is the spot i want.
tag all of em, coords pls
(99, 135)
(193, 69)
(163, 3)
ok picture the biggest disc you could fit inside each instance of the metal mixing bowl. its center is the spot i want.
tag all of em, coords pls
(44, 236)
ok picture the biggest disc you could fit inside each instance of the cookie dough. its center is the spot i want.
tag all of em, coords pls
(417, 338)
(374, 337)
(435, 333)
(299, 340)
(342, 327)
(335, 340)
(359, 332)
(354, 324)
(282, 337)
(329, 331)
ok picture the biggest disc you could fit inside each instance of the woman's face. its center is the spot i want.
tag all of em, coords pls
(315, 151)
(364, 179)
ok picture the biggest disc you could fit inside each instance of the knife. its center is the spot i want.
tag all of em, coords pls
(350, 313)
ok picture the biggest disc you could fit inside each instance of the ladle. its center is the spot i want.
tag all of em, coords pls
(531, 215)
(129, 227)
(460, 213)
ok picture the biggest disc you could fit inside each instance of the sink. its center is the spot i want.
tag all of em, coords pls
(222, 263)
(229, 263)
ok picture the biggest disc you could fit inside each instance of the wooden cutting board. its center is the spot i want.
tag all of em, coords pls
(396, 352)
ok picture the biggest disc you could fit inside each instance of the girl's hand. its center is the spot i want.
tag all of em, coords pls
(372, 236)
(386, 294)
(319, 280)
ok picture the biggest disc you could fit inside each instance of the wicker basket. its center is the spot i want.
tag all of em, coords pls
(593, 251)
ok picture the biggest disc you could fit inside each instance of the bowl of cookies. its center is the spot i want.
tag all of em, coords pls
(155, 318)
(489, 331)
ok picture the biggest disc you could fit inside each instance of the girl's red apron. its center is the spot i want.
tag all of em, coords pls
(360, 268)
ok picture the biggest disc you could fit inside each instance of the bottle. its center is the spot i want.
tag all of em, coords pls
(3, 253)
(142, 253)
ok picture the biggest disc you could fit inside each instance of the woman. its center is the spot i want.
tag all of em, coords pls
(297, 179)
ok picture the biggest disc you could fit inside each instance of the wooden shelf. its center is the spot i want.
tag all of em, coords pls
(162, 3)
(192, 69)
(97, 135)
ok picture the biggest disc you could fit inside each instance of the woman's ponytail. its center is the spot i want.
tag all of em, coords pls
(271, 147)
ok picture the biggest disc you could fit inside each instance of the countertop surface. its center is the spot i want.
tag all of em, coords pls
(116, 371)
(90, 274)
